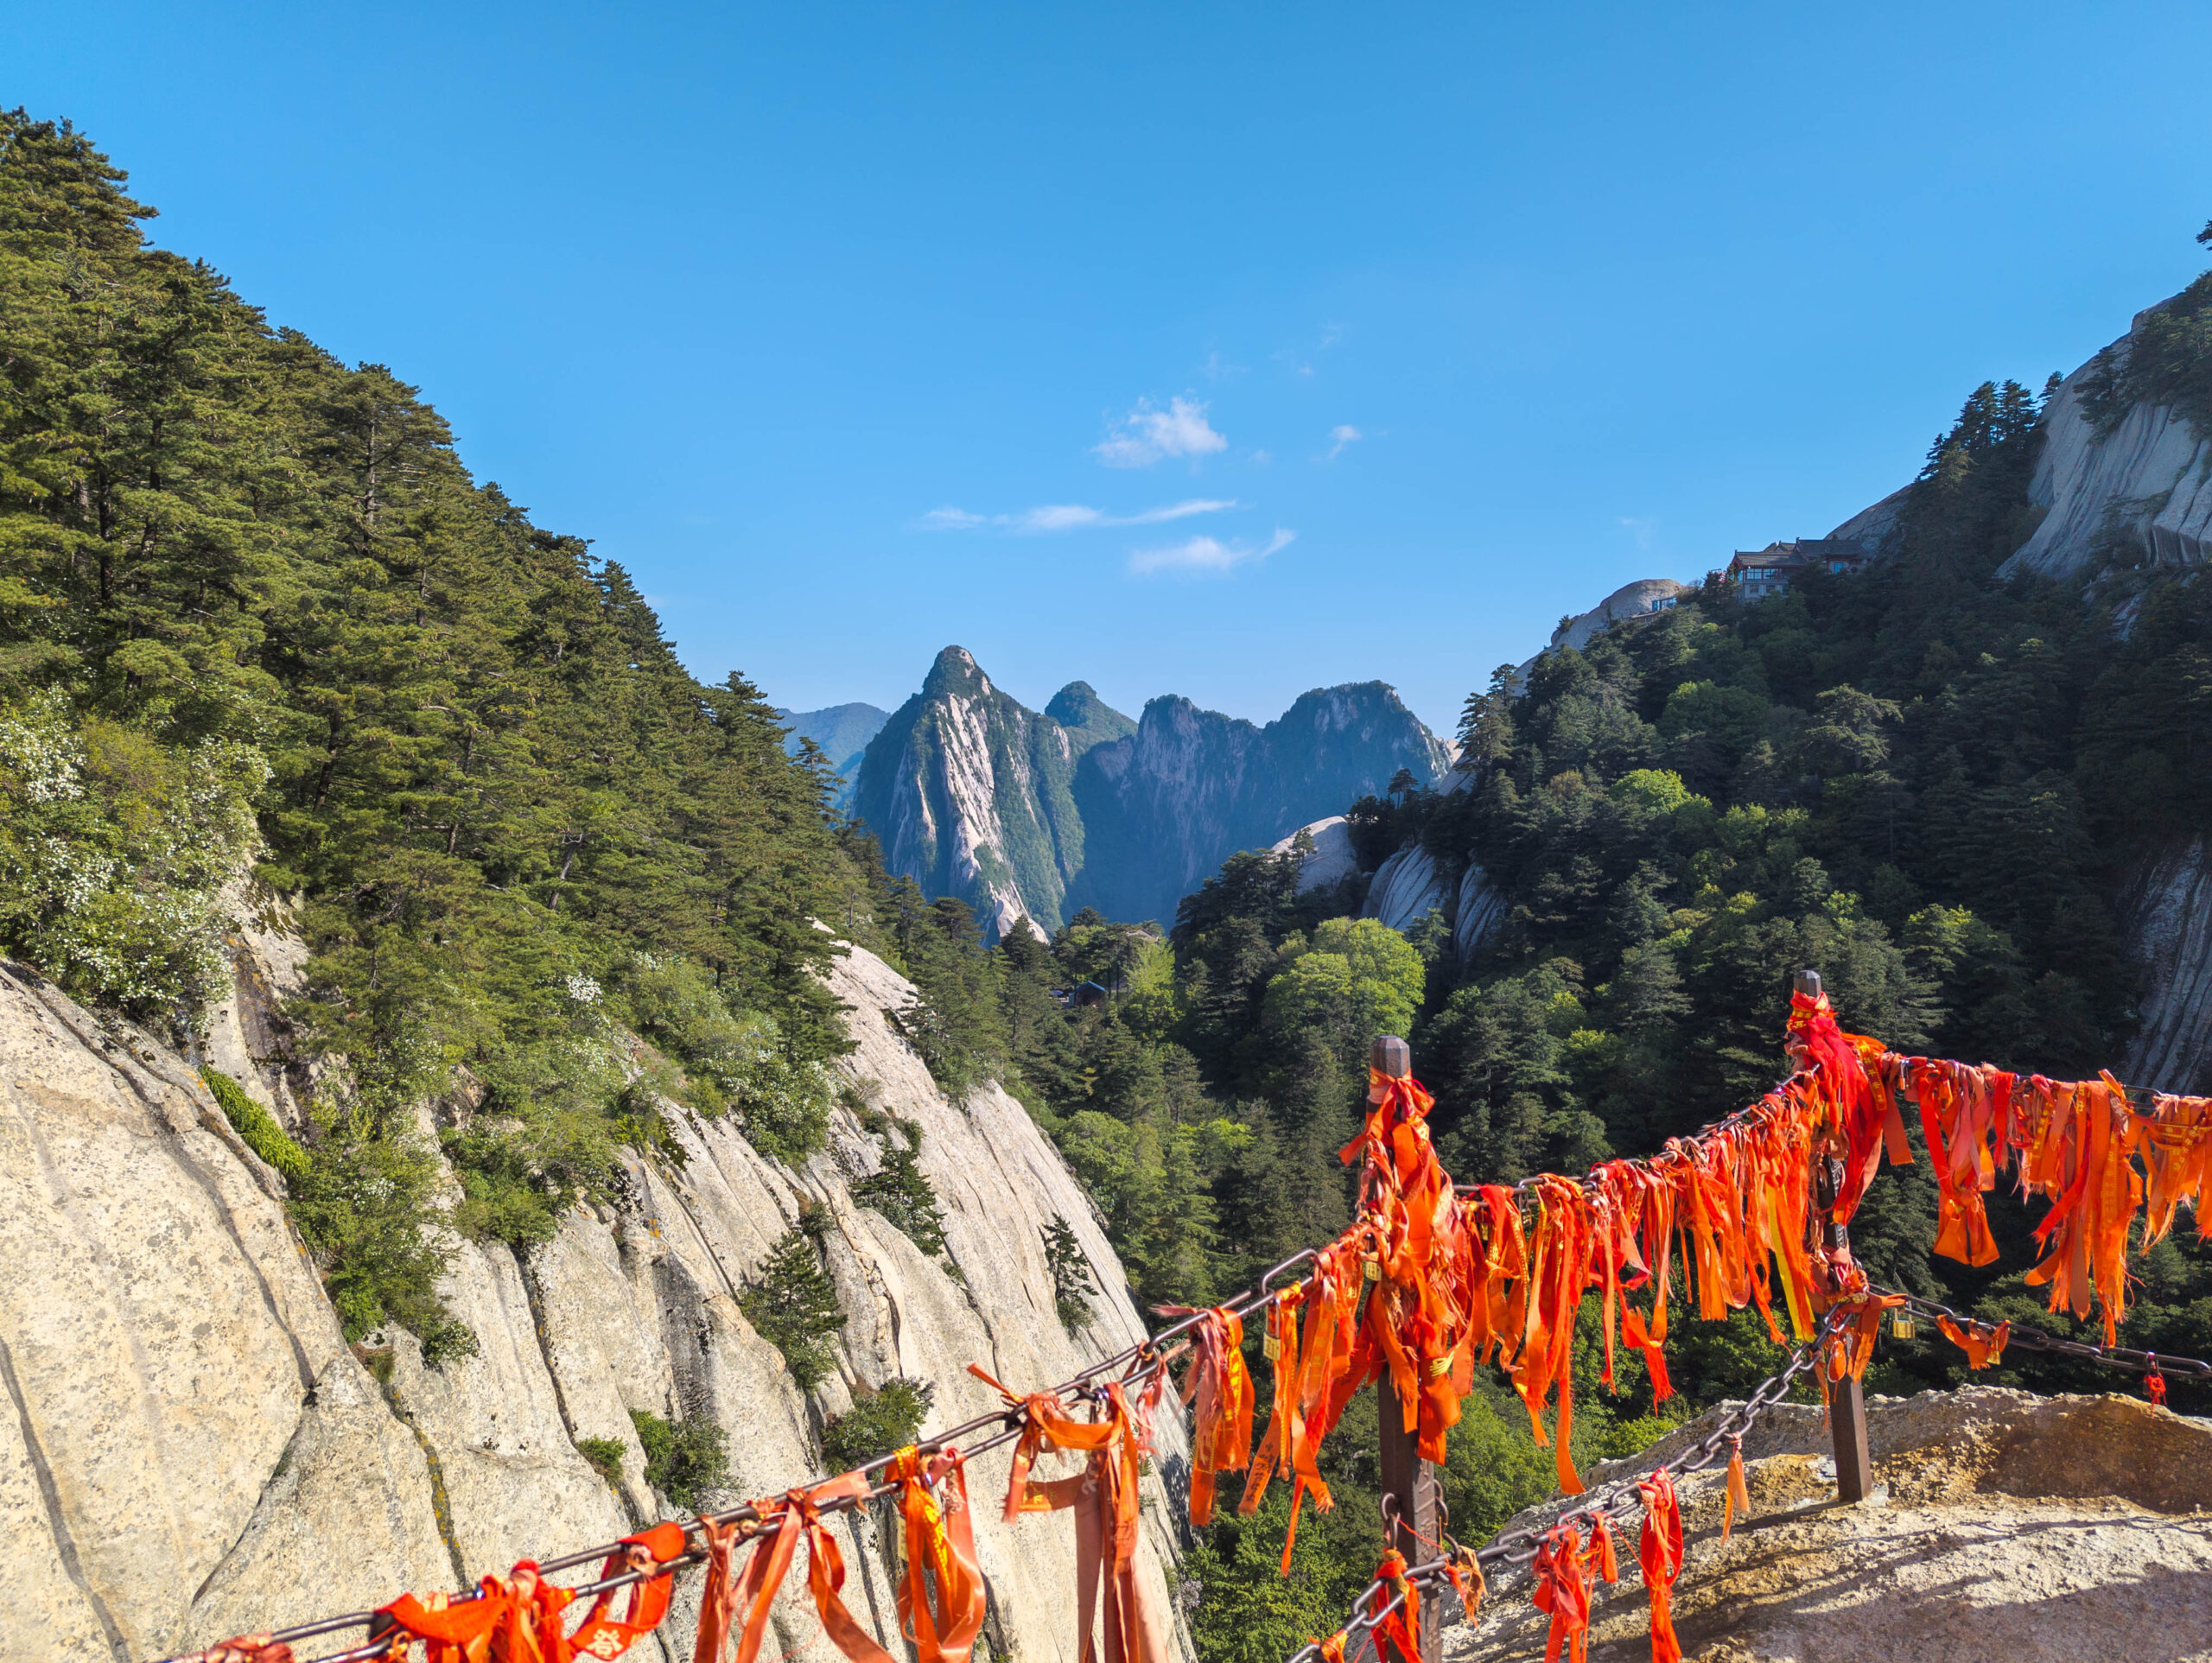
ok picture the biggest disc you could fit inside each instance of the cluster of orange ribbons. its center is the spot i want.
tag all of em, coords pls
(1563, 1571)
(522, 1618)
(1103, 1498)
(2080, 1144)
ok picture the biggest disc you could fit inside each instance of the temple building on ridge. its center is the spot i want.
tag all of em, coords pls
(1756, 573)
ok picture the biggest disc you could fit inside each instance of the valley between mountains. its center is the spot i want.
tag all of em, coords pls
(470, 1087)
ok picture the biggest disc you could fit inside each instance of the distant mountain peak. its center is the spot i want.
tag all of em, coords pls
(1088, 718)
(955, 667)
(1023, 812)
(841, 730)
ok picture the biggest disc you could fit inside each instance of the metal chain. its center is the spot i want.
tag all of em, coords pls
(1519, 1547)
(2034, 1339)
(1139, 1362)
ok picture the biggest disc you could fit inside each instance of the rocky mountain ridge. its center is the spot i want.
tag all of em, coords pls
(195, 1451)
(1039, 815)
(2134, 493)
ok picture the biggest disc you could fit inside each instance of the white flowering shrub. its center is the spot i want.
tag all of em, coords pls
(115, 850)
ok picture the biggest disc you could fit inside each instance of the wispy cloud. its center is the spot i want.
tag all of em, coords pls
(1206, 556)
(1340, 436)
(951, 519)
(1069, 517)
(1148, 434)
(1641, 529)
(1294, 358)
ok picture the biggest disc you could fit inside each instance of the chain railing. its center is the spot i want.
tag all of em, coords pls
(2034, 1339)
(1140, 1362)
(1407, 1503)
(1516, 1548)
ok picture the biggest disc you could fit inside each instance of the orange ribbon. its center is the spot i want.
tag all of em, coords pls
(1562, 1591)
(1103, 1498)
(1659, 1555)
(1218, 1388)
(940, 1543)
(799, 1515)
(1983, 1344)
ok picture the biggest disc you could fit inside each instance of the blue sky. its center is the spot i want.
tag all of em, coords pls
(1226, 350)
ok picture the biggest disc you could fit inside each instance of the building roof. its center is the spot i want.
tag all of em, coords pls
(1798, 556)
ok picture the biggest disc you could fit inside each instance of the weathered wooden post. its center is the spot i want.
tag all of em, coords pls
(1412, 1496)
(1854, 1465)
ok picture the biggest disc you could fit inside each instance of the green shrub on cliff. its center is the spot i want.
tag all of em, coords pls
(256, 1125)
(793, 1303)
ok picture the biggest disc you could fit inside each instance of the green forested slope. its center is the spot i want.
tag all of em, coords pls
(256, 619)
(1920, 780)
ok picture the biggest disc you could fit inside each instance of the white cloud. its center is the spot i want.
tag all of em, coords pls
(1340, 436)
(1053, 517)
(1641, 529)
(949, 519)
(1205, 554)
(1181, 510)
(1149, 433)
(1069, 517)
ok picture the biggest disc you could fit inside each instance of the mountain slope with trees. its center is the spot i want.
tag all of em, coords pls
(258, 625)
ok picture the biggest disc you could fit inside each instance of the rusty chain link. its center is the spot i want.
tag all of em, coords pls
(2034, 1339)
(1519, 1547)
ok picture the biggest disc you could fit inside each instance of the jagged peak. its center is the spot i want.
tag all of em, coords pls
(1077, 707)
(1378, 691)
(956, 668)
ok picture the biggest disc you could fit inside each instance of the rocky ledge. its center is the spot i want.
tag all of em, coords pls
(2004, 1529)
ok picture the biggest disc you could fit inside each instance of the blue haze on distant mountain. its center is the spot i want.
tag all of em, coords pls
(841, 730)
(1039, 815)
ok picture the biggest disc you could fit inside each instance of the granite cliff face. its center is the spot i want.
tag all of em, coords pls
(2146, 487)
(193, 1449)
(2167, 913)
(967, 790)
(1041, 815)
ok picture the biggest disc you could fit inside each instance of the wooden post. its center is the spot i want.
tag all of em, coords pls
(1854, 1464)
(1412, 1496)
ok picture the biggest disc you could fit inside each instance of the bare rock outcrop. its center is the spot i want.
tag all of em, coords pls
(2167, 911)
(1646, 595)
(1407, 887)
(191, 1449)
(2035, 1530)
(1333, 858)
(1481, 913)
(2147, 482)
